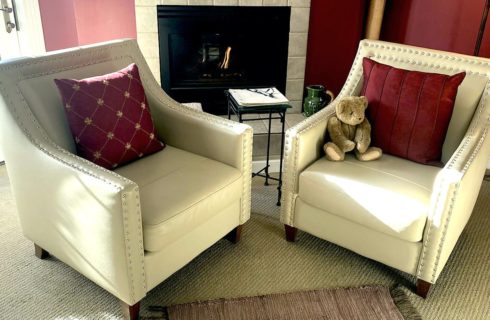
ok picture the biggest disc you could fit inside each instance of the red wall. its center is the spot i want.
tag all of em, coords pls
(103, 20)
(485, 43)
(59, 26)
(450, 25)
(69, 23)
(335, 30)
(337, 26)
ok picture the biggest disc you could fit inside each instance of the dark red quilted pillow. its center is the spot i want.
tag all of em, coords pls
(109, 117)
(409, 110)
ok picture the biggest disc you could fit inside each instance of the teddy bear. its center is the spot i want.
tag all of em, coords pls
(350, 130)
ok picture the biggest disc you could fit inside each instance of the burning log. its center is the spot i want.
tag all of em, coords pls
(226, 60)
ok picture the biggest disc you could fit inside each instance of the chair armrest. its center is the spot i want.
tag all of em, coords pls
(204, 134)
(303, 145)
(84, 215)
(211, 137)
(454, 195)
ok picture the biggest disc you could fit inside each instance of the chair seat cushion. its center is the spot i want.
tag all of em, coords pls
(179, 191)
(389, 195)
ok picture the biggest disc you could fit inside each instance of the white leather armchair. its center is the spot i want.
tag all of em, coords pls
(401, 213)
(127, 230)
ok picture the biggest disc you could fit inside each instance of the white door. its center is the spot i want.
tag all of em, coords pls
(20, 31)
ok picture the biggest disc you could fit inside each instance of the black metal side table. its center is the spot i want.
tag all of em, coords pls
(280, 110)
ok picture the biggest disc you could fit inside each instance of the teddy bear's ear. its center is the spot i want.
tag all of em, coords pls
(364, 101)
(339, 109)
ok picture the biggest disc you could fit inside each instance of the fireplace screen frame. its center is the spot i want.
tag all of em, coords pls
(266, 29)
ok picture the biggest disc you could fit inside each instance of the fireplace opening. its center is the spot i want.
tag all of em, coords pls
(207, 49)
(208, 59)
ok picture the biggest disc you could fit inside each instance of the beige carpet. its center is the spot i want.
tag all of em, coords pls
(262, 263)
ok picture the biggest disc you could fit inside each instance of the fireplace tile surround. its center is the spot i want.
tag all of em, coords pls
(147, 35)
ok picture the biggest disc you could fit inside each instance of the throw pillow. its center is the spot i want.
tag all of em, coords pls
(109, 117)
(409, 110)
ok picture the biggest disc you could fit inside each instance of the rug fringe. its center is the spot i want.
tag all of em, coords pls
(403, 304)
(158, 313)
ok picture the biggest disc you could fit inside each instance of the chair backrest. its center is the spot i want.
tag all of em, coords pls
(29, 93)
(472, 93)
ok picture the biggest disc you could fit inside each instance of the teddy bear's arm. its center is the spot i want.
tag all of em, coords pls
(363, 136)
(337, 135)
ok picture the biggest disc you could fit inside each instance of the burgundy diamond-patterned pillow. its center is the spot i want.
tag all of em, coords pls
(109, 117)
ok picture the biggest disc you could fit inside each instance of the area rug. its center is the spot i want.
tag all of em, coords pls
(366, 303)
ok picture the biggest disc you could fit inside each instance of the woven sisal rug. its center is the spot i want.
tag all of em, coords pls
(364, 303)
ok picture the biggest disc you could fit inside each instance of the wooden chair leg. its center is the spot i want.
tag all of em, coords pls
(131, 312)
(290, 233)
(235, 235)
(423, 288)
(40, 252)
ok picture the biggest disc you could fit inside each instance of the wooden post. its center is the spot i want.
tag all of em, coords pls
(130, 312)
(40, 252)
(235, 234)
(423, 288)
(290, 233)
(375, 18)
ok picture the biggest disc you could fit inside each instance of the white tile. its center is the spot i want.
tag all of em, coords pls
(297, 44)
(293, 118)
(299, 3)
(250, 3)
(296, 68)
(276, 124)
(173, 2)
(296, 106)
(294, 89)
(226, 2)
(250, 116)
(146, 19)
(232, 117)
(257, 125)
(148, 43)
(300, 18)
(275, 2)
(147, 3)
(200, 2)
(154, 64)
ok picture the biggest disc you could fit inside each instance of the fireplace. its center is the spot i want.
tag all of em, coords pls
(207, 49)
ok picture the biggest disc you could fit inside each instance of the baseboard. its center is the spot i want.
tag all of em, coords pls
(259, 164)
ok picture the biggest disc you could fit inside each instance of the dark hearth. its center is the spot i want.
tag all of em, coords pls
(207, 49)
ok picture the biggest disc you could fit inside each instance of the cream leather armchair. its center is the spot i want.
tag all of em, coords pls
(127, 230)
(400, 213)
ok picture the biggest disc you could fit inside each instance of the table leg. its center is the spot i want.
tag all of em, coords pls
(279, 186)
(268, 150)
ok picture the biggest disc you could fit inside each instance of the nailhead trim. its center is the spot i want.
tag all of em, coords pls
(353, 82)
(477, 118)
(45, 144)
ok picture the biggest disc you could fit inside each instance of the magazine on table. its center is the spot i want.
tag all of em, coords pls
(258, 97)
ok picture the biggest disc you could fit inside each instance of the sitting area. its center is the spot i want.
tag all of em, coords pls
(131, 228)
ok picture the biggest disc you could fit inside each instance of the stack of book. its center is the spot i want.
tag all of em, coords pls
(258, 97)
